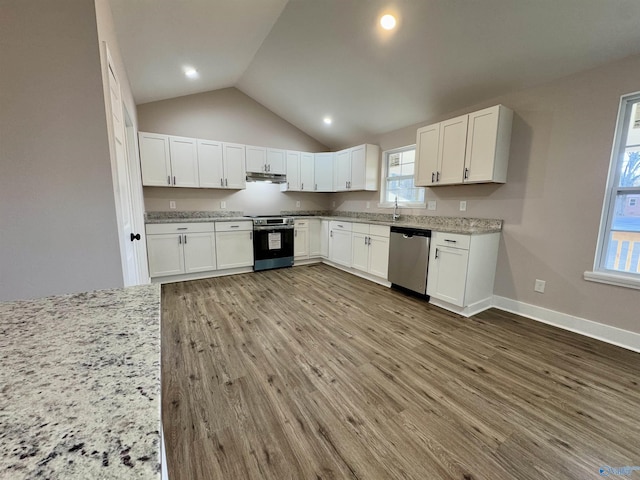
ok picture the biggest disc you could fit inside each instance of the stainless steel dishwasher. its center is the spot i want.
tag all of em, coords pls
(409, 258)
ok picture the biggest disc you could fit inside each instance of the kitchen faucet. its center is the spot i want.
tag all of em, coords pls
(396, 215)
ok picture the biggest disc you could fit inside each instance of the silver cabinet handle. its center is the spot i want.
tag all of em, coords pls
(365, 241)
(436, 255)
(226, 182)
(168, 179)
(250, 235)
(450, 241)
(185, 239)
(180, 239)
(182, 228)
(295, 233)
(466, 173)
(234, 226)
(302, 186)
(331, 233)
(437, 176)
(221, 183)
(288, 186)
(174, 179)
(433, 177)
(316, 187)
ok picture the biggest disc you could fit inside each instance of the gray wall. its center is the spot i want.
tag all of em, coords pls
(231, 116)
(57, 212)
(552, 201)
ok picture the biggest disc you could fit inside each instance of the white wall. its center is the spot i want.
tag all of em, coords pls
(231, 116)
(57, 214)
(552, 201)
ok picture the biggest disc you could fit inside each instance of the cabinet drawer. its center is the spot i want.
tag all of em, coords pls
(346, 226)
(233, 226)
(360, 228)
(301, 223)
(163, 228)
(455, 240)
(380, 230)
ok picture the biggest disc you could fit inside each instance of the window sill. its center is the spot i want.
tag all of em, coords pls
(402, 205)
(613, 279)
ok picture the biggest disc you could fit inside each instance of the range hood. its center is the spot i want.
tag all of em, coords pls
(266, 177)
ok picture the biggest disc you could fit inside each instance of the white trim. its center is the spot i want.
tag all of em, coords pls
(164, 468)
(185, 277)
(468, 311)
(367, 276)
(605, 333)
(297, 262)
(613, 279)
(383, 181)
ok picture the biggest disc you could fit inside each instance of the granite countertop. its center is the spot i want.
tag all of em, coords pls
(440, 224)
(80, 386)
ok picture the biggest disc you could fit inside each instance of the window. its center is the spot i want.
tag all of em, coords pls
(398, 171)
(619, 243)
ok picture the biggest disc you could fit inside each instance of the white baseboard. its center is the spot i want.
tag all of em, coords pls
(367, 276)
(473, 309)
(606, 333)
(185, 277)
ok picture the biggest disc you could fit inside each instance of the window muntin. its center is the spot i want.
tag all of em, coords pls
(620, 229)
(399, 165)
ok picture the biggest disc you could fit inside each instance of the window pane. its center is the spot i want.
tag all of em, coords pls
(630, 168)
(633, 133)
(623, 249)
(399, 181)
(409, 156)
(407, 168)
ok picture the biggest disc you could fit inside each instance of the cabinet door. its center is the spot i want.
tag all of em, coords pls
(323, 172)
(307, 178)
(447, 277)
(276, 161)
(358, 174)
(324, 238)
(379, 256)
(301, 242)
(256, 159)
(184, 161)
(199, 252)
(165, 252)
(234, 249)
(315, 233)
(451, 150)
(360, 251)
(234, 171)
(427, 155)
(293, 171)
(340, 247)
(210, 170)
(155, 159)
(481, 145)
(342, 170)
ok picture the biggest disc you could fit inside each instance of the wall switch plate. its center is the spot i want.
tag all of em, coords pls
(223, 204)
(431, 205)
(463, 205)
(298, 203)
(539, 286)
(172, 204)
(368, 204)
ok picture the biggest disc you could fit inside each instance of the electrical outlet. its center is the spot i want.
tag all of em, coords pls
(172, 204)
(223, 204)
(431, 205)
(298, 203)
(368, 204)
(463, 205)
(539, 286)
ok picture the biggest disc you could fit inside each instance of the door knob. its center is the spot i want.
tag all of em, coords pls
(135, 237)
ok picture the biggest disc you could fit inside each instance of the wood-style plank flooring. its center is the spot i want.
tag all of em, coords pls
(312, 373)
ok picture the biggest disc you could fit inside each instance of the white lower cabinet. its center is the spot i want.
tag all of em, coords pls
(462, 268)
(340, 243)
(324, 238)
(315, 237)
(234, 244)
(301, 240)
(178, 248)
(370, 249)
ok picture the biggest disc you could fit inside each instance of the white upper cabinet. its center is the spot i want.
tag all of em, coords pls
(357, 168)
(307, 176)
(154, 159)
(221, 165)
(488, 144)
(323, 172)
(256, 159)
(276, 161)
(472, 148)
(293, 172)
(184, 162)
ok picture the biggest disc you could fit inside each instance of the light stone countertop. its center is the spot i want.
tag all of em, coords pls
(80, 386)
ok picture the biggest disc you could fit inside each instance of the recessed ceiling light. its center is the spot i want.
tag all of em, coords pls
(388, 22)
(191, 72)
(327, 120)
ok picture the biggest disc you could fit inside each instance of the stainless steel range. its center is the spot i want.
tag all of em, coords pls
(272, 242)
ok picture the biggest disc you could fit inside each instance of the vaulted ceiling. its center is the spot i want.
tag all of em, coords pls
(306, 59)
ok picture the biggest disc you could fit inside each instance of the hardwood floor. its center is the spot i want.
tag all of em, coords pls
(312, 373)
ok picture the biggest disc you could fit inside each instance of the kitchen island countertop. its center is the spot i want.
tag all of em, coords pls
(80, 386)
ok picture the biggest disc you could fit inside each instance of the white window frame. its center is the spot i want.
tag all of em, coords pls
(384, 177)
(600, 273)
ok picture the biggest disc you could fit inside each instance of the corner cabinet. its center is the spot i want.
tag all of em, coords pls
(472, 148)
(462, 271)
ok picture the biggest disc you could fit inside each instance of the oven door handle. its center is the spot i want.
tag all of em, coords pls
(273, 227)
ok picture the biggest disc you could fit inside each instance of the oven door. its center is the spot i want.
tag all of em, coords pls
(272, 247)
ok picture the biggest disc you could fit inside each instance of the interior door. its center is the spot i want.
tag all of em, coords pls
(121, 184)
